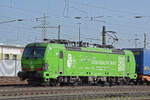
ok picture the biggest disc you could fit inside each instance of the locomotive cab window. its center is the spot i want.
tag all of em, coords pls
(34, 52)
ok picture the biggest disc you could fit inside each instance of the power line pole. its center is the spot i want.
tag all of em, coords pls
(136, 39)
(44, 27)
(144, 40)
(58, 32)
(79, 32)
(104, 36)
(66, 8)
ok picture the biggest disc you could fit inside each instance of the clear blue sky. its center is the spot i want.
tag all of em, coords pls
(116, 15)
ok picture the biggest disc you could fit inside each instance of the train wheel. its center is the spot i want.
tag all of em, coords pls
(132, 82)
(54, 82)
(121, 82)
(101, 83)
(33, 83)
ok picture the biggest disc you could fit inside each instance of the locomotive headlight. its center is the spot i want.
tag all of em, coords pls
(45, 66)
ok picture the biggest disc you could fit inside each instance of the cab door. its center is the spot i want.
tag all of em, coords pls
(128, 64)
(61, 62)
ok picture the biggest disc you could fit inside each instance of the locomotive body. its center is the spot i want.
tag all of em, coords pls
(57, 64)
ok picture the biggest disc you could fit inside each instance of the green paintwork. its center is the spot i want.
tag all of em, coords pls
(85, 62)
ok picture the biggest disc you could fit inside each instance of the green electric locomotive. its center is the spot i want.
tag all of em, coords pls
(55, 64)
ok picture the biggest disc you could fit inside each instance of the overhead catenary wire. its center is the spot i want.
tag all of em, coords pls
(124, 29)
(67, 6)
(21, 9)
(112, 10)
(108, 25)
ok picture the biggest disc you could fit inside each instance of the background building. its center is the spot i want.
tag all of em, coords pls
(10, 59)
(11, 52)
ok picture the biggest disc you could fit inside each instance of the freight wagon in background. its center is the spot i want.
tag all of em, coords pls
(142, 58)
(10, 59)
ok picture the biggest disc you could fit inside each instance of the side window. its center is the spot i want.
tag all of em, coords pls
(61, 54)
(14, 57)
(6, 56)
(128, 58)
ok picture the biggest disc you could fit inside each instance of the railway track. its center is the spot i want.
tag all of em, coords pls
(57, 93)
(13, 88)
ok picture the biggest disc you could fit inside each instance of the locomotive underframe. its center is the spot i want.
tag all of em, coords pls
(35, 78)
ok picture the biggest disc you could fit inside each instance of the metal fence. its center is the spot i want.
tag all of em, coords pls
(10, 67)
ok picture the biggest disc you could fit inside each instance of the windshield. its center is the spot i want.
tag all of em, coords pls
(34, 52)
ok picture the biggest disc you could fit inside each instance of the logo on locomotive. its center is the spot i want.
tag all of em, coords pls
(69, 61)
(121, 63)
